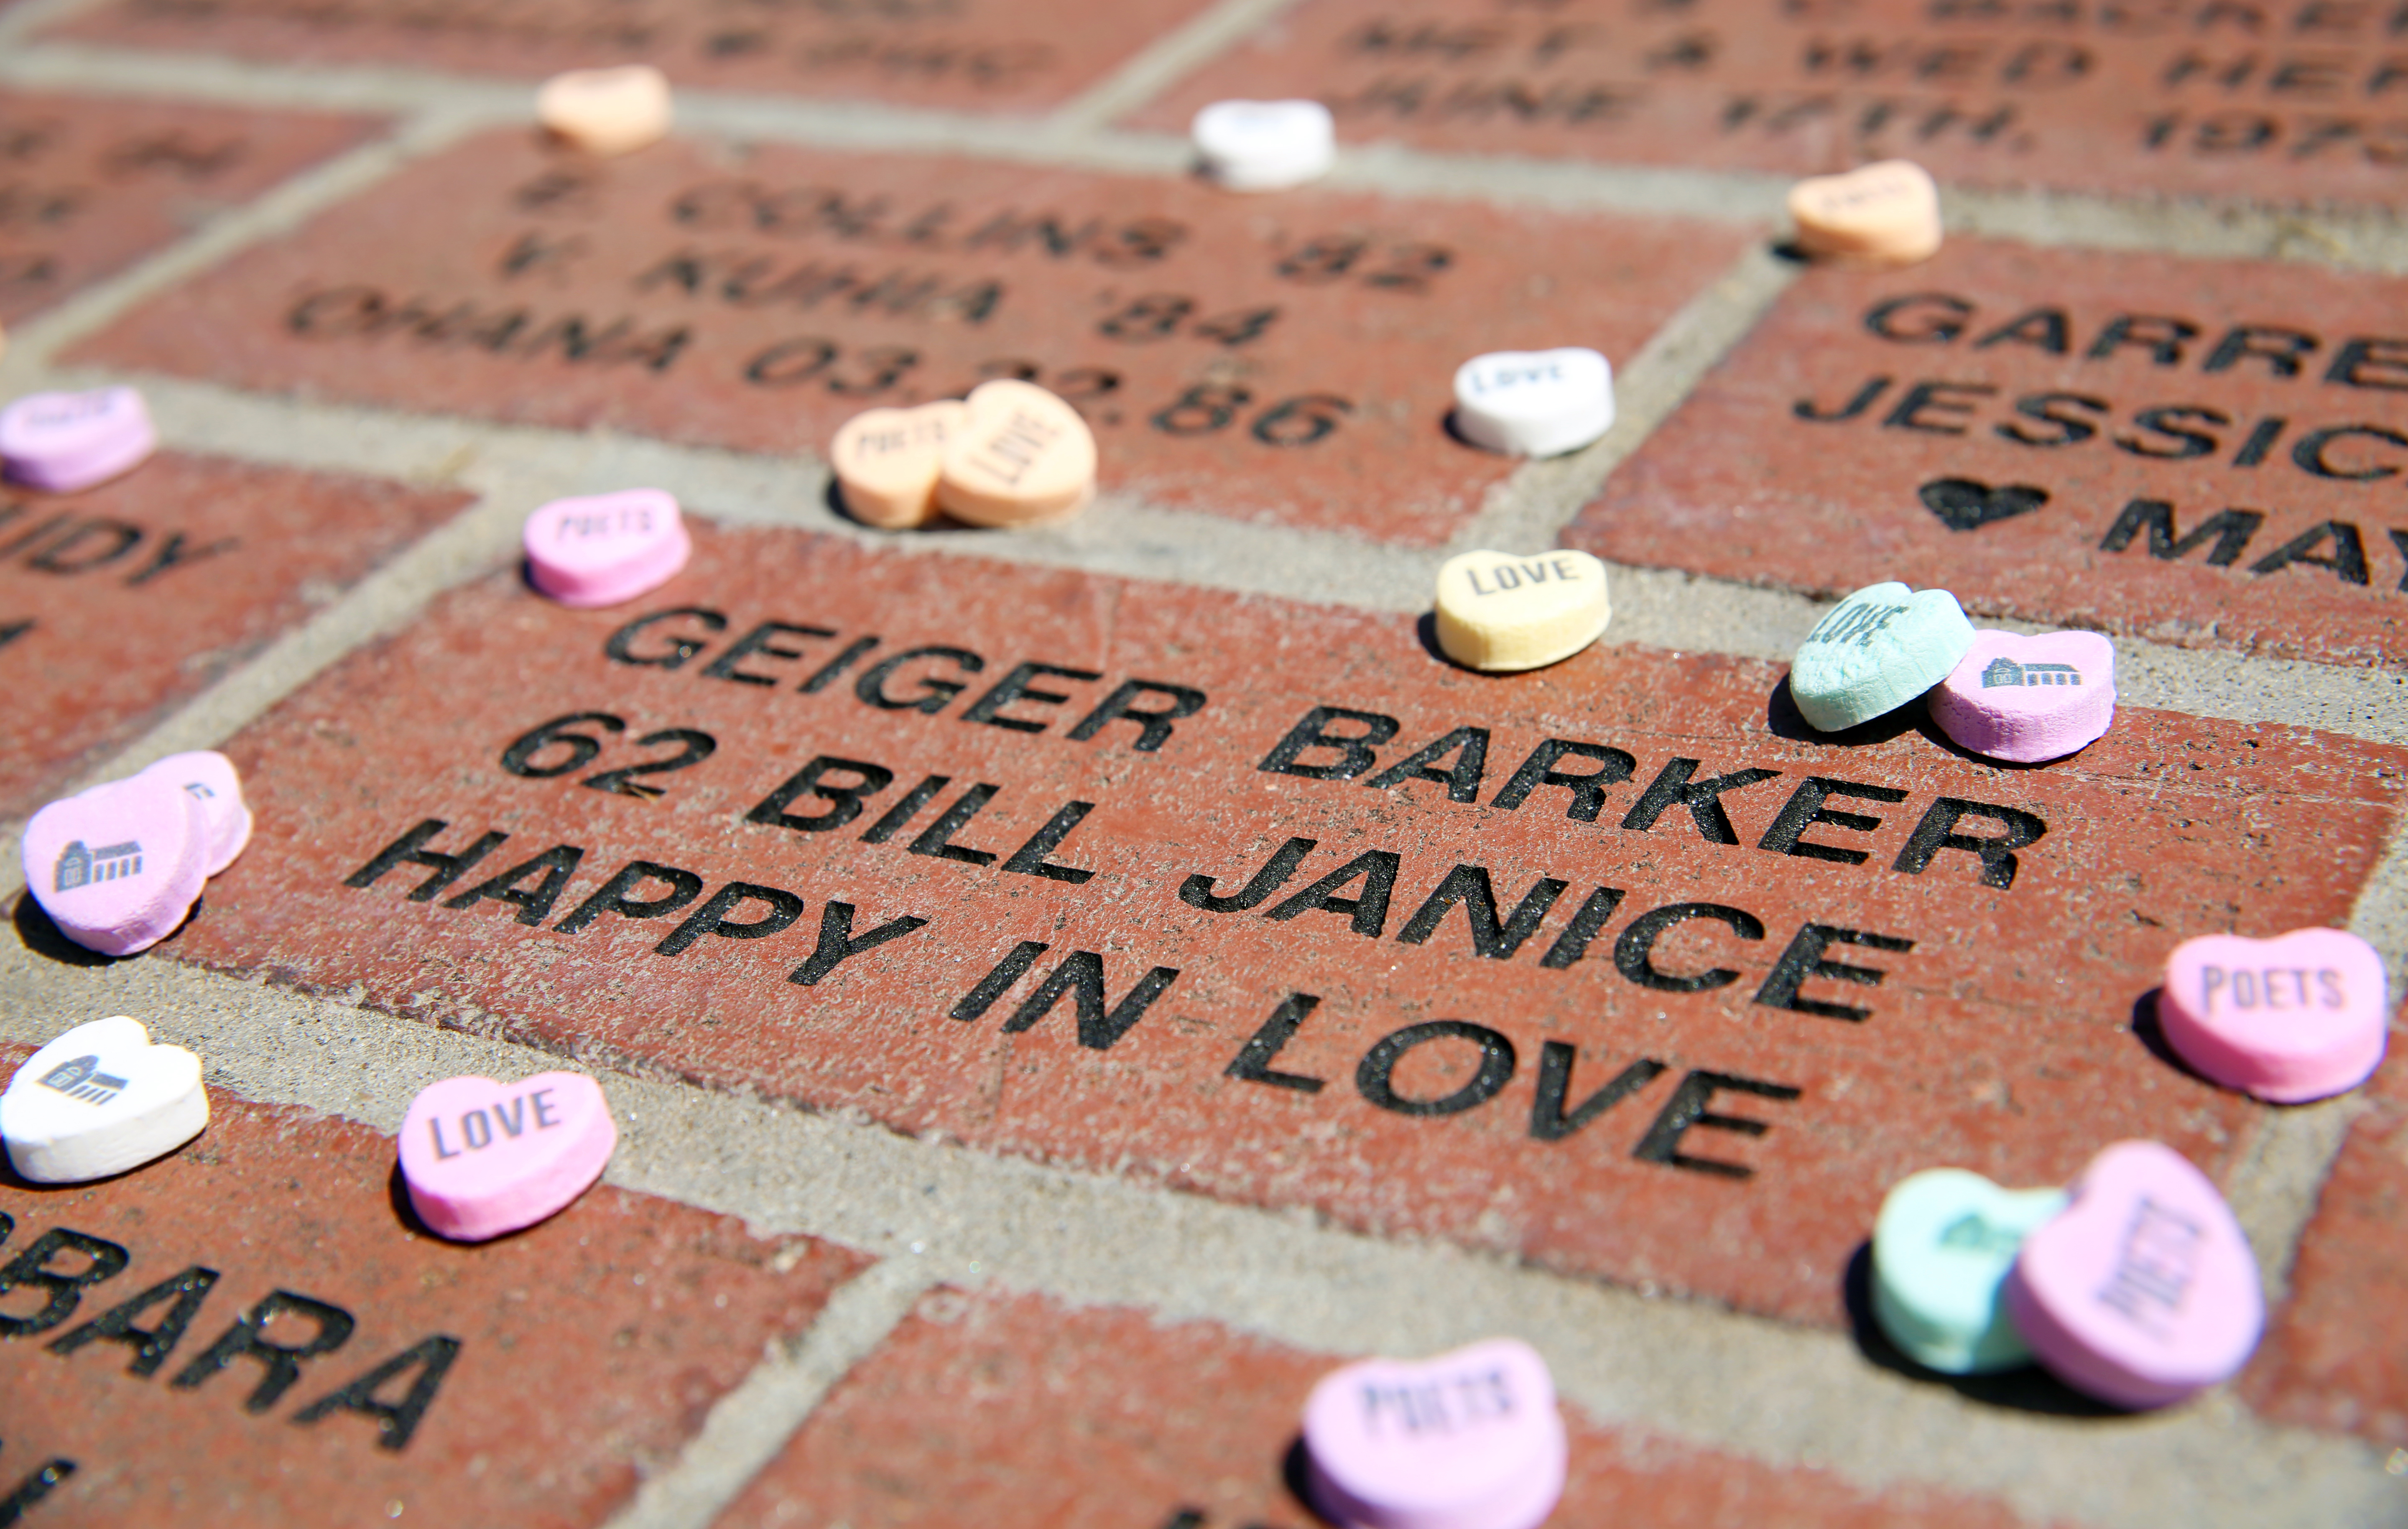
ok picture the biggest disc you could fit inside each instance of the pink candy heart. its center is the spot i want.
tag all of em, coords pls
(2143, 1291)
(2027, 699)
(208, 777)
(67, 441)
(484, 1158)
(1470, 1440)
(606, 549)
(2289, 1019)
(118, 867)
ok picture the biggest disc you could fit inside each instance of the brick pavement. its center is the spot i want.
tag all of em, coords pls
(1051, 1200)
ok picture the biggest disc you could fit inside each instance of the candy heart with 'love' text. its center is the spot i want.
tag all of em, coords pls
(1534, 403)
(1874, 651)
(484, 1158)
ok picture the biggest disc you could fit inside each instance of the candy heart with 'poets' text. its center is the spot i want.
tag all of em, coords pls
(2143, 1291)
(2027, 699)
(484, 1158)
(1534, 403)
(607, 547)
(2292, 1018)
(66, 442)
(1470, 1440)
(607, 111)
(1502, 613)
(1876, 651)
(1264, 145)
(1884, 214)
(886, 462)
(99, 1100)
(1963, 504)
(1942, 1248)
(117, 867)
(1023, 457)
(208, 777)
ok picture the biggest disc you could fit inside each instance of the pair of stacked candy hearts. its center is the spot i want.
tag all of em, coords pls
(1009, 454)
(119, 867)
(67, 442)
(1997, 693)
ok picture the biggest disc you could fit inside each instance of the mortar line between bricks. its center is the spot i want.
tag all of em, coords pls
(1166, 61)
(19, 22)
(967, 1218)
(747, 1427)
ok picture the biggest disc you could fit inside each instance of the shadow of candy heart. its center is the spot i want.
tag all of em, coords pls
(2025, 1389)
(1964, 504)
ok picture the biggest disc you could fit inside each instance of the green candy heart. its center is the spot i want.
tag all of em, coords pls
(1876, 651)
(1942, 1248)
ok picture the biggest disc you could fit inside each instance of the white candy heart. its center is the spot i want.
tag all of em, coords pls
(1022, 457)
(607, 111)
(1534, 403)
(1264, 145)
(1500, 613)
(99, 1100)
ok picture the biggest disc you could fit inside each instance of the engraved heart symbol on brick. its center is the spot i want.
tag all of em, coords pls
(1023, 457)
(1965, 503)
(1534, 403)
(117, 867)
(886, 462)
(2299, 1017)
(1942, 1244)
(99, 1100)
(1264, 145)
(1501, 613)
(66, 442)
(2143, 1291)
(484, 1158)
(1876, 651)
(607, 547)
(1884, 214)
(1470, 1439)
(607, 111)
(208, 777)
(2027, 699)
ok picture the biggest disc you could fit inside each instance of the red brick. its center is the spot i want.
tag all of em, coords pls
(2336, 1354)
(221, 559)
(90, 185)
(888, 281)
(1998, 1043)
(1014, 1410)
(590, 1347)
(2285, 102)
(1738, 484)
(956, 54)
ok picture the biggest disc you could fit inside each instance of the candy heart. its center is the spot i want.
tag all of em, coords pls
(69, 442)
(2290, 1019)
(1964, 504)
(2143, 1291)
(1942, 1248)
(1264, 145)
(1023, 457)
(117, 867)
(605, 549)
(1874, 651)
(208, 777)
(886, 462)
(1470, 1440)
(1884, 214)
(2028, 698)
(607, 111)
(1534, 403)
(99, 1100)
(484, 1158)
(1501, 613)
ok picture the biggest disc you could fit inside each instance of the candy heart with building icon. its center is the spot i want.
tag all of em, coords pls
(484, 1158)
(2292, 1018)
(99, 1100)
(2026, 699)
(1534, 403)
(1264, 145)
(118, 867)
(1942, 1244)
(1470, 1439)
(886, 462)
(67, 442)
(1023, 457)
(606, 547)
(208, 777)
(2143, 1291)
(1874, 651)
